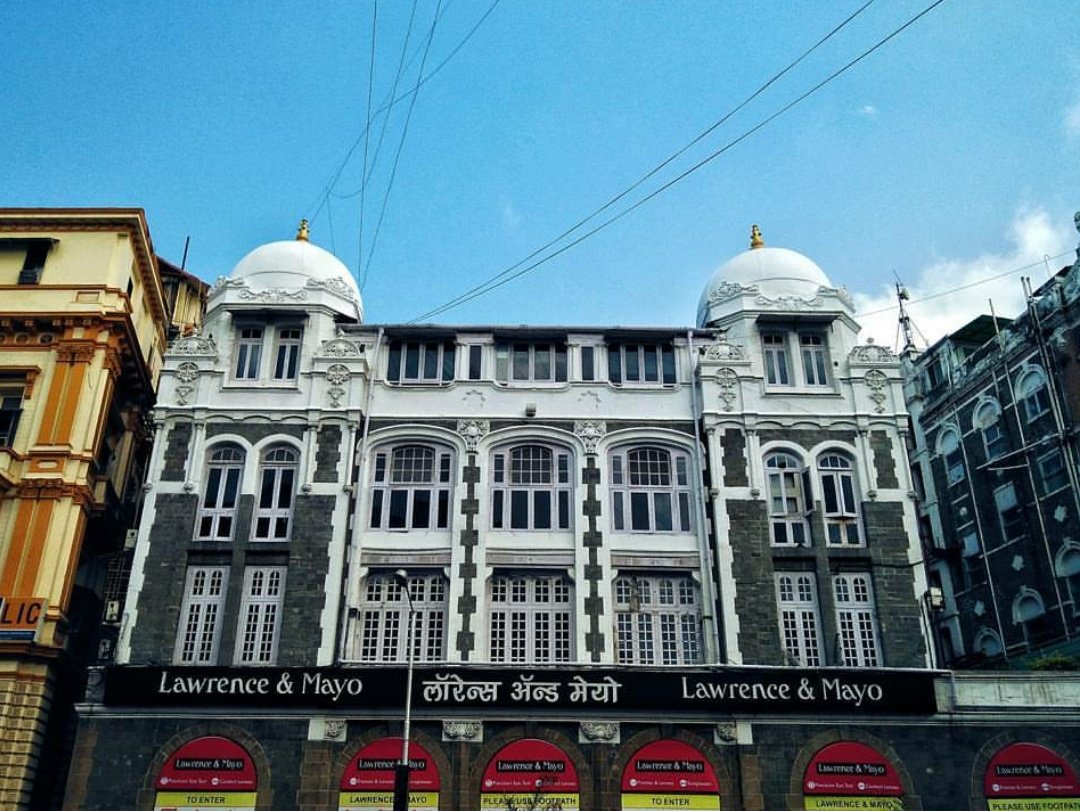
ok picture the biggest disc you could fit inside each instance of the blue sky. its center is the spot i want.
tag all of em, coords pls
(947, 157)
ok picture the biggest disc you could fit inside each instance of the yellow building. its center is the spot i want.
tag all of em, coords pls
(84, 320)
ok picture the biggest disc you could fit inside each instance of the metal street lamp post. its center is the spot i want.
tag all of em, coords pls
(401, 772)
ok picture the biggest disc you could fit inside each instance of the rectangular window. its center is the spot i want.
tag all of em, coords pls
(774, 349)
(657, 620)
(411, 488)
(588, 372)
(37, 250)
(475, 357)
(855, 621)
(530, 620)
(287, 359)
(420, 362)
(815, 359)
(1009, 512)
(260, 613)
(1052, 473)
(641, 363)
(381, 634)
(200, 615)
(248, 353)
(536, 362)
(531, 488)
(10, 410)
(797, 607)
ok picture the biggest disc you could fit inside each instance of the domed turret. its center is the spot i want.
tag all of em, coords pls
(297, 270)
(772, 278)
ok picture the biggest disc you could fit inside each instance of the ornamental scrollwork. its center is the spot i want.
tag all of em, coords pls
(271, 296)
(337, 374)
(590, 432)
(194, 345)
(183, 394)
(472, 431)
(335, 396)
(728, 290)
(334, 285)
(871, 353)
(341, 348)
(876, 382)
(728, 381)
(789, 302)
(722, 350)
(187, 372)
(462, 730)
(599, 731)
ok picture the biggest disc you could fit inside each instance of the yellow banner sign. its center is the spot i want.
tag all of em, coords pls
(191, 800)
(384, 800)
(548, 802)
(1036, 804)
(843, 803)
(652, 802)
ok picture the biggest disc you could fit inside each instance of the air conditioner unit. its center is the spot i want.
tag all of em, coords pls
(112, 611)
(130, 537)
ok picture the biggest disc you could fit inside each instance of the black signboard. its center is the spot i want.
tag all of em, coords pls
(587, 689)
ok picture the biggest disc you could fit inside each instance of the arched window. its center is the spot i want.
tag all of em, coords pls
(217, 512)
(949, 448)
(988, 643)
(786, 482)
(796, 597)
(1032, 394)
(653, 485)
(531, 619)
(988, 421)
(1029, 612)
(411, 488)
(657, 620)
(277, 484)
(530, 488)
(1067, 566)
(840, 506)
(856, 621)
(382, 632)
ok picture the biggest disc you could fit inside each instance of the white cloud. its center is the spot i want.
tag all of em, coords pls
(938, 306)
(868, 110)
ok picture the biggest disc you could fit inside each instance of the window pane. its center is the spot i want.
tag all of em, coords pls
(614, 365)
(266, 494)
(502, 361)
(448, 362)
(444, 510)
(669, 365)
(564, 510)
(651, 372)
(232, 485)
(521, 362)
(421, 516)
(560, 364)
(393, 366)
(587, 372)
(376, 508)
(633, 367)
(541, 510)
(497, 509)
(431, 361)
(662, 509)
(412, 361)
(617, 511)
(684, 512)
(474, 362)
(519, 509)
(639, 511)
(542, 362)
(828, 492)
(399, 500)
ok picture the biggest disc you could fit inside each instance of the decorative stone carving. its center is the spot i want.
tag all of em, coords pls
(729, 290)
(1018, 563)
(183, 394)
(334, 729)
(187, 372)
(872, 353)
(194, 345)
(334, 285)
(337, 374)
(598, 732)
(589, 399)
(271, 296)
(472, 431)
(789, 302)
(341, 348)
(469, 731)
(726, 732)
(877, 383)
(335, 395)
(474, 398)
(722, 350)
(728, 382)
(590, 432)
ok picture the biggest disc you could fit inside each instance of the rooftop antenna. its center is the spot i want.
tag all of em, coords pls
(183, 260)
(902, 295)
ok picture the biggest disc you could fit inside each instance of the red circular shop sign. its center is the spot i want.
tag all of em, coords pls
(669, 766)
(850, 769)
(212, 763)
(530, 765)
(1028, 770)
(373, 767)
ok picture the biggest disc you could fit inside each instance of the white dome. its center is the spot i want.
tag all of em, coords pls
(775, 273)
(291, 265)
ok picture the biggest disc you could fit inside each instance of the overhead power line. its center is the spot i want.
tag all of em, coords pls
(367, 129)
(678, 153)
(501, 279)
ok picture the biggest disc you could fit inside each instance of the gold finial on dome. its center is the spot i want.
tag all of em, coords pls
(755, 237)
(303, 231)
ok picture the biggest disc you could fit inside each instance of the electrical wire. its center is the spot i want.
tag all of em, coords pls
(320, 199)
(400, 147)
(367, 129)
(675, 155)
(962, 287)
(496, 282)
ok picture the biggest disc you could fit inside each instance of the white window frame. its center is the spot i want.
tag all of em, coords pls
(1067, 567)
(988, 421)
(1053, 475)
(1032, 391)
(396, 479)
(443, 356)
(799, 617)
(198, 633)
(259, 626)
(216, 519)
(1007, 500)
(814, 352)
(287, 343)
(836, 474)
(625, 357)
(774, 351)
(650, 476)
(788, 499)
(536, 473)
(276, 495)
(952, 456)
(531, 619)
(381, 632)
(544, 362)
(984, 636)
(856, 621)
(657, 620)
(249, 343)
